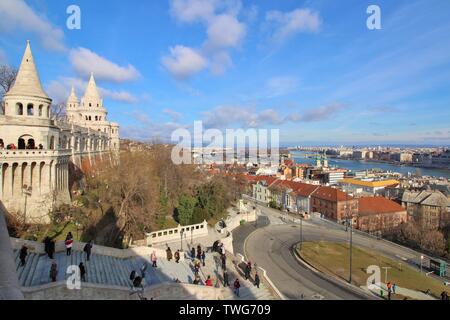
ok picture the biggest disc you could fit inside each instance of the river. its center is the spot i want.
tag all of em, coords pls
(361, 165)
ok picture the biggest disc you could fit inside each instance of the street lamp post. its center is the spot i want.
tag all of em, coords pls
(421, 263)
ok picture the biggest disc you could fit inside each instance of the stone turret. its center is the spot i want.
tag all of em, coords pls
(72, 106)
(26, 98)
(91, 107)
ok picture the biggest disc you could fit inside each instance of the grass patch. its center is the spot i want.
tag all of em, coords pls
(333, 258)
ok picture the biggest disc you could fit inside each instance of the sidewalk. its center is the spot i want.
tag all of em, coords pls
(411, 294)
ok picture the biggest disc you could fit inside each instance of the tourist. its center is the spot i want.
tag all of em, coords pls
(68, 243)
(394, 286)
(199, 252)
(236, 286)
(225, 279)
(88, 248)
(208, 282)
(154, 259)
(224, 261)
(196, 267)
(69, 236)
(82, 271)
(47, 245)
(197, 280)
(169, 254)
(23, 254)
(247, 271)
(51, 250)
(203, 257)
(137, 285)
(257, 280)
(193, 253)
(215, 246)
(53, 271)
(177, 256)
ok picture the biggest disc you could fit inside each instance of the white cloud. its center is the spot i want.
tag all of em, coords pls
(175, 116)
(287, 24)
(224, 116)
(192, 10)
(84, 61)
(17, 15)
(224, 32)
(59, 90)
(183, 62)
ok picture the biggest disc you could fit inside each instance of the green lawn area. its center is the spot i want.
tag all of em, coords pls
(57, 232)
(333, 258)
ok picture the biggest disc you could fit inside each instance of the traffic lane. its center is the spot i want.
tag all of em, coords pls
(242, 232)
(271, 247)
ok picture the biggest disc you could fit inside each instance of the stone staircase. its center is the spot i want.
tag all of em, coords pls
(114, 271)
(213, 268)
(100, 269)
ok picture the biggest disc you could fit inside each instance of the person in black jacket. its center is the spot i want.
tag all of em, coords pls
(87, 249)
(23, 254)
(82, 271)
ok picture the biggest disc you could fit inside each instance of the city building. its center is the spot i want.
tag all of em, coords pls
(334, 204)
(378, 214)
(431, 209)
(38, 150)
(375, 187)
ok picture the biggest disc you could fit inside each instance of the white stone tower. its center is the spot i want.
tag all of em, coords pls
(72, 106)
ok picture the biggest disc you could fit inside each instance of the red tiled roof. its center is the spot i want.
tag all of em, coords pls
(302, 189)
(376, 205)
(331, 194)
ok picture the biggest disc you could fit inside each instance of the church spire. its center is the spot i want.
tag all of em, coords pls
(27, 80)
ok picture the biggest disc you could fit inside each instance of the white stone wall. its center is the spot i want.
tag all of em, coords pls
(173, 234)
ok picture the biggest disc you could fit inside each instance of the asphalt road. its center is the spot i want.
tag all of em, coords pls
(270, 246)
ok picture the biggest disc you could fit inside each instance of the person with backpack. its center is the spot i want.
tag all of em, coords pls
(82, 271)
(23, 255)
(88, 249)
(53, 271)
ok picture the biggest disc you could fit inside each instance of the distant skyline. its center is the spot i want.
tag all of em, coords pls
(310, 68)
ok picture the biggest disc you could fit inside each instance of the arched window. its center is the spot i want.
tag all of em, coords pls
(52, 143)
(40, 110)
(21, 143)
(96, 118)
(90, 104)
(19, 109)
(48, 112)
(90, 118)
(31, 144)
(30, 109)
(100, 118)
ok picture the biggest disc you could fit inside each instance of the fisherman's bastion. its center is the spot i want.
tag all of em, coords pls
(38, 152)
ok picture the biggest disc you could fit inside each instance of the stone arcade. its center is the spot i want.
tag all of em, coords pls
(36, 150)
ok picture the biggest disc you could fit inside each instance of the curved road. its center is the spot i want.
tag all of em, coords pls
(270, 247)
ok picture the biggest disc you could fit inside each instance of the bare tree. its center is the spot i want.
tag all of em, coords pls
(7, 77)
(58, 112)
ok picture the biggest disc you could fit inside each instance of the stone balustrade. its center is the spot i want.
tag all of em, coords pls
(173, 234)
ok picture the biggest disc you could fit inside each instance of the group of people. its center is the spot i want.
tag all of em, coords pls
(247, 274)
(49, 248)
(170, 255)
(444, 295)
(391, 289)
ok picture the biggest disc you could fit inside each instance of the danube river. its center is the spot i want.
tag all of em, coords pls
(356, 165)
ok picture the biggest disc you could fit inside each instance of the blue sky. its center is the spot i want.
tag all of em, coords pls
(310, 68)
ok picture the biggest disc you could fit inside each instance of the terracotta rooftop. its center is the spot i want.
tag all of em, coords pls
(331, 194)
(376, 205)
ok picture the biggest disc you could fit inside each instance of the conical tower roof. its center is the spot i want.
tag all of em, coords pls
(27, 80)
(91, 90)
(72, 97)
